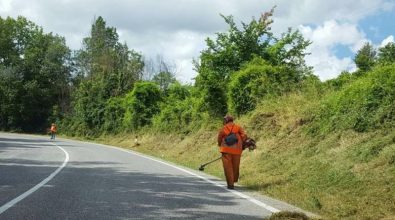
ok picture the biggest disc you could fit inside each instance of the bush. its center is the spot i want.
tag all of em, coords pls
(256, 81)
(113, 115)
(89, 102)
(212, 88)
(141, 105)
(365, 104)
(342, 80)
(180, 111)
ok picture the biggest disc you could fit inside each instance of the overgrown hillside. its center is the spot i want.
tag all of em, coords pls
(325, 153)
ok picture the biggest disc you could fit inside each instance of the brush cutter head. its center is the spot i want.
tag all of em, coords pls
(250, 144)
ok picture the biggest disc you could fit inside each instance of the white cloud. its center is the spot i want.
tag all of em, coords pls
(329, 66)
(313, 12)
(179, 47)
(325, 38)
(5, 6)
(332, 33)
(389, 39)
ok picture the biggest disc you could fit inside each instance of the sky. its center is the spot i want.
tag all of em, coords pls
(176, 29)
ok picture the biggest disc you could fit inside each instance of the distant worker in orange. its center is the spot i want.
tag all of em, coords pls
(53, 131)
(230, 141)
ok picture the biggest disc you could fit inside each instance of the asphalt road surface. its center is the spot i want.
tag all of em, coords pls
(64, 179)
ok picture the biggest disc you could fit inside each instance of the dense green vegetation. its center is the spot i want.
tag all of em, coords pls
(34, 75)
(365, 104)
(328, 147)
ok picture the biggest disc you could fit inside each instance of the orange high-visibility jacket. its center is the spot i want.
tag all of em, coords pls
(53, 128)
(225, 131)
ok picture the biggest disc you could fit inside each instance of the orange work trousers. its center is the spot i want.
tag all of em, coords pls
(231, 164)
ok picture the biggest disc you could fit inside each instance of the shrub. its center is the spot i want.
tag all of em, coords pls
(256, 81)
(366, 103)
(113, 115)
(180, 111)
(342, 80)
(141, 105)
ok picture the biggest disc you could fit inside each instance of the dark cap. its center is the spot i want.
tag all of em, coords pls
(228, 118)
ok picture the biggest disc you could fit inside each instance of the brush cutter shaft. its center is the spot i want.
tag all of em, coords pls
(211, 161)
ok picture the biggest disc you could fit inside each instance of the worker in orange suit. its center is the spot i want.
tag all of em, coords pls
(53, 131)
(230, 139)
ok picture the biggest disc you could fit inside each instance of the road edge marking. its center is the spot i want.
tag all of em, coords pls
(14, 201)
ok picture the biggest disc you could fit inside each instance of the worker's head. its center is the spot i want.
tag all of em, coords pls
(227, 119)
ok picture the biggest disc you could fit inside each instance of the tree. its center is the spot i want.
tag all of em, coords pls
(387, 54)
(164, 80)
(365, 58)
(89, 103)
(11, 87)
(105, 70)
(35, 69)
(232, 49)
(156, 66)
(104, 58)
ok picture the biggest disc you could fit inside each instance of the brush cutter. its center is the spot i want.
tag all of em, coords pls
(201, 168)
(248, 143)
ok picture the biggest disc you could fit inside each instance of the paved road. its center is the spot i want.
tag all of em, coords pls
(64, 179)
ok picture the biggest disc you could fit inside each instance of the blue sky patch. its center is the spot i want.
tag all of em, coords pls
(379, 26)
(341, 51)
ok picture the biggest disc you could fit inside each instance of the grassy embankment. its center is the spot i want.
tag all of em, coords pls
(333, 154)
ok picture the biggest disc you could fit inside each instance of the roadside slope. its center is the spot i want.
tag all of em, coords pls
(340, 175)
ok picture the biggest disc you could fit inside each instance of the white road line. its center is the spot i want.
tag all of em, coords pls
(36, 187)
(244, 196)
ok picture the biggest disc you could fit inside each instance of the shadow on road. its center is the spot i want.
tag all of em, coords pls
(17, 144)
(102, 190)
